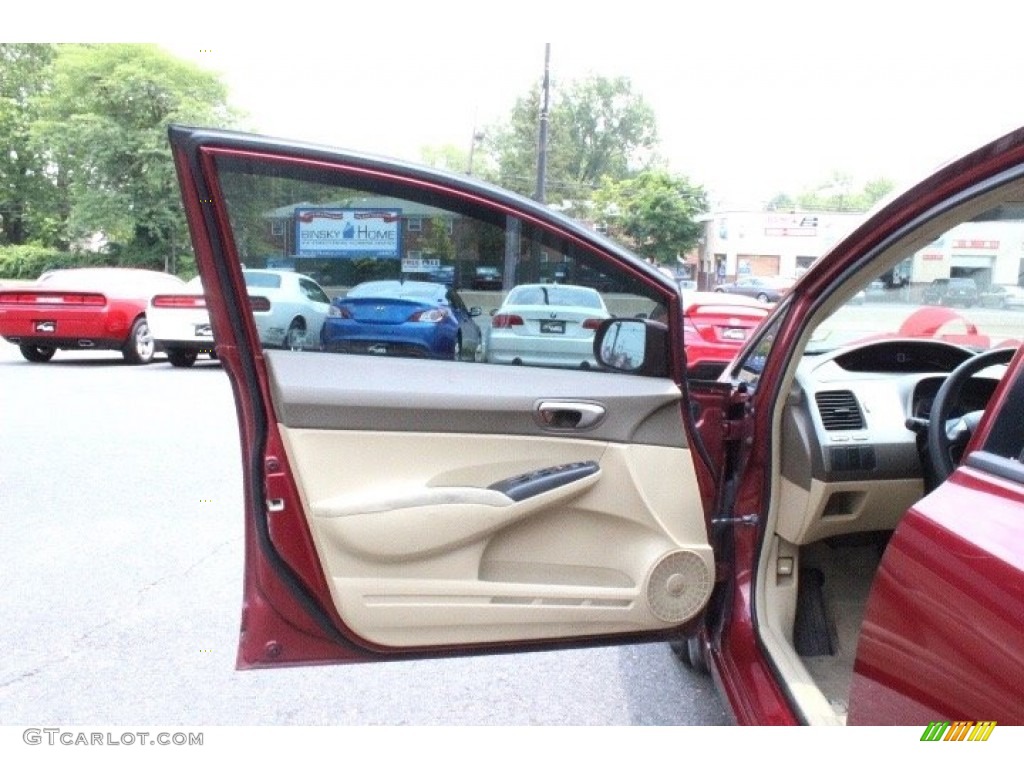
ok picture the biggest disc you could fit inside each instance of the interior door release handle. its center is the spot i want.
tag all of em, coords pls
(569, 415)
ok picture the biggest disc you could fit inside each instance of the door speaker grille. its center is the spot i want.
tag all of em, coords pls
(679, 586)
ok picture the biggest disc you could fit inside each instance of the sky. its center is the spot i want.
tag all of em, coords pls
(751, 98)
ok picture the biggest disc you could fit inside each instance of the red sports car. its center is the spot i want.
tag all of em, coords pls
(715, 327)
(88, 308)
(834, 526)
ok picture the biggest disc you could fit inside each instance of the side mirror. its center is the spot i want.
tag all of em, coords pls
(632, 345)
(475, 311)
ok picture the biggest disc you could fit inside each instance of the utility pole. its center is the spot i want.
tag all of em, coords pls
(542, 139)
(475, 139)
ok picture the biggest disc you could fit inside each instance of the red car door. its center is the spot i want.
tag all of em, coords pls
(404, 506)
(941, 639)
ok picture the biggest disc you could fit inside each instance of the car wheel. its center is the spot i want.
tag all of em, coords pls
(296, 334)
(689, 652)
(35, 354)
(182, 358)
(140, 348)
(763, 298)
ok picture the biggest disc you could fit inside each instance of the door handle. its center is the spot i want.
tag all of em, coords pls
(569, 415)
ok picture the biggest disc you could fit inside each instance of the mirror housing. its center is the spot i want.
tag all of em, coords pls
(633, 345)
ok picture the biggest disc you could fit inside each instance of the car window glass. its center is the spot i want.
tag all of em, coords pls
(262, 280)
(391, 256)
(962, 289)
(314, 292)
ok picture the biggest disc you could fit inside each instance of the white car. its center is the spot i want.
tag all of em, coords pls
(180, 324)
(289, 309)
(546, 324)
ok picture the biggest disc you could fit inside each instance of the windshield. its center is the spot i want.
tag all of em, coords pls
(962, 288)
(558, 295)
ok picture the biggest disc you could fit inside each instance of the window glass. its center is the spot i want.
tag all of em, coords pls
(262, 280)
(403, 266)
(963, 288)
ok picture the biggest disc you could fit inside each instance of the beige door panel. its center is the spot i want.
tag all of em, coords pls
(418, 550)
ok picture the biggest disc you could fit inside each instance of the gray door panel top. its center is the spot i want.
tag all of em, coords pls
(357, 392)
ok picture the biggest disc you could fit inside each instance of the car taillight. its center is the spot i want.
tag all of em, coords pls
(506, 321)
(336, 311)
(76, 299)
(185, 302)
(591, 324)
(259, 303)
(429, 316)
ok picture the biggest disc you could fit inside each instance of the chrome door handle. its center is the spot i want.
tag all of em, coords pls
(552, 414)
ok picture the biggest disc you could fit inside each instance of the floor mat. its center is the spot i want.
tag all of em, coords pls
(814, 632)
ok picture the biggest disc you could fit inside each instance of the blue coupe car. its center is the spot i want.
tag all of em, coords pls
(403, 319)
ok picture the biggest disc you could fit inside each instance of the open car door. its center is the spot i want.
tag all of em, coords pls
(404, 496)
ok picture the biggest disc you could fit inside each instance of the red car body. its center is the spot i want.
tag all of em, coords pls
(715, 327)
(369, 558)
(83, 309)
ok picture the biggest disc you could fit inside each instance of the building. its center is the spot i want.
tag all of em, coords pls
(740, 243)
(765, 243)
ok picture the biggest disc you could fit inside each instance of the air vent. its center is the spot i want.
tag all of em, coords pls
(839, 410)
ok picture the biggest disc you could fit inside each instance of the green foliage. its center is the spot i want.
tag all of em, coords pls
(655, 212)
(26, 194)
(84, 129)
(99, 136)
(437, 243)
(27, 262)
(447, 157)
(597, 128)
(837, 193)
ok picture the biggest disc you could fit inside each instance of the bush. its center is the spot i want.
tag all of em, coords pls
(27, 262)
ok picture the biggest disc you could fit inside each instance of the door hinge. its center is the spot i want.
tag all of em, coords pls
(738, 430)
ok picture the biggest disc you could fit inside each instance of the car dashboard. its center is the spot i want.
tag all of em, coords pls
(850, 464)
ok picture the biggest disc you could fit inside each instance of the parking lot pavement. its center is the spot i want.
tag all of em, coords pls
(120, 591)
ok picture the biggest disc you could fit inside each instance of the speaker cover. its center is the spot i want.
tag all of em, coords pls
(679, 586)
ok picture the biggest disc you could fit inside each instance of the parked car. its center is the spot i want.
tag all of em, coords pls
(686, 285)
(180, 324)
(546, 324)
(97, 308)
(1002, 297)
(289, 308)
(951, 290)
(715, 327)
(487, 279)
(764, 289)
(833, 526)
(403, 318)
(443, 275)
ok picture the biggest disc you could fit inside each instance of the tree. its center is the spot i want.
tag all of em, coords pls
(25, 191)
(876, 189)
(838, 193)
(655, 211)
(598, 128)
(104, 126)
(447, 157)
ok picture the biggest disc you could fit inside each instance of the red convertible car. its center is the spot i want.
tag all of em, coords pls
(82, 309)
(715, 327)
(834, 527)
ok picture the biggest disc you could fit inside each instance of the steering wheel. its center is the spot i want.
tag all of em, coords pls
(943, 438)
